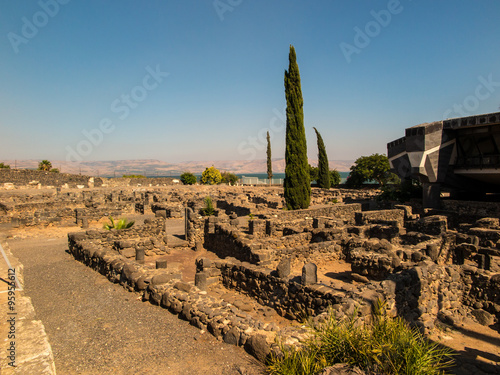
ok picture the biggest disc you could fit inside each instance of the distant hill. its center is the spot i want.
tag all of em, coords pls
(150, 167)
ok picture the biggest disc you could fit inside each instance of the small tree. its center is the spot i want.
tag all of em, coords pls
(323, 168)
(269, 161)
(375, 167)
(211, 176)
(208, 210)
(45, 165)
(188, 178)
(4, 166)
(229, 178)
(335, 178)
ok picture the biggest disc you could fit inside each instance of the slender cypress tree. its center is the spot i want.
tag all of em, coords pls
(297, 181)
(269, 162)
(323, 167)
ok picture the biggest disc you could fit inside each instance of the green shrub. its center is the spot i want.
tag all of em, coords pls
(188, 178)
(54, 170)
(120, 224)
(208, 210)
(229, 178)
(4, 166)
(370, 168)
(388, 346)
(313, 173)
(211, 176)
(335, 178)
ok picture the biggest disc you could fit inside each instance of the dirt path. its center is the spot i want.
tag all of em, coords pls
(96, 327)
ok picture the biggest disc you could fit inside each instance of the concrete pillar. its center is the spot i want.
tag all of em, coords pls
(431, 195)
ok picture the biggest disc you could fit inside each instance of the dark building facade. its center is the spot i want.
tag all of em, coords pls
(462, 154)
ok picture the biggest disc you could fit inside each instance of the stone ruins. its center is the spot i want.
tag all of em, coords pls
(257, 270)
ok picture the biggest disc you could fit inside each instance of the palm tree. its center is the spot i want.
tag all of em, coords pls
(44, 165)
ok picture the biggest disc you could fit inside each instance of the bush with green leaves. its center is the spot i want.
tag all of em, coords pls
(375, 167)
(120, 224)
(387, 346)
(229, 178)
(55, 170)
(188, 178)
(4, 166)
(313, 173)
(335, 178)
(208, 210)
(211, 176)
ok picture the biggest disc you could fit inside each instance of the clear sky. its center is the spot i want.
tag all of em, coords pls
(203, 79)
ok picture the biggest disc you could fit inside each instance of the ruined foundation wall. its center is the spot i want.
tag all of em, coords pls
(25, 177)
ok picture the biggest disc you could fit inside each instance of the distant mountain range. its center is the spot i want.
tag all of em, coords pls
(151, 168)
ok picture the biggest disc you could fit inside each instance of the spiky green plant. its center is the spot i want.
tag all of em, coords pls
(208, 210)
(120, 224)
(387, 346)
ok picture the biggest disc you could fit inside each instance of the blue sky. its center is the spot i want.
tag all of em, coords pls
(203, 80)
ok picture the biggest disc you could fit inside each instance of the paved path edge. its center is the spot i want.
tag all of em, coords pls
(33, 353)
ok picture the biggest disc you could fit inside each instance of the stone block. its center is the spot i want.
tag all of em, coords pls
(284, 268)
(128, 252)
(309, 274)
(161, 263)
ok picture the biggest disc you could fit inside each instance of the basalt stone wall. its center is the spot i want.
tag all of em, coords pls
(150, 237)
(114, 210)
(482, 293)
(344, 211)
(24, 177)
(427, 292)
(380, 217)
(288, 297)
(470, 211)
(223, 240)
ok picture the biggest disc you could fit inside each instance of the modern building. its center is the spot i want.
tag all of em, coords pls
(462, 154)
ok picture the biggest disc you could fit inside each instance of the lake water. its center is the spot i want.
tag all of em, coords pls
(263, 176)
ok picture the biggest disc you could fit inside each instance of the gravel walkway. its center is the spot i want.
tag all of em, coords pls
(96, 327)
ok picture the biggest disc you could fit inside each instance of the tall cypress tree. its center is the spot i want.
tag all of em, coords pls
(269, 162)
(297, 181)
(323, 167)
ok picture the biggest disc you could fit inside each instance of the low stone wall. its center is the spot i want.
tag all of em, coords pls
(344, 211)
(25, 177)
(288, 297)
(380, 217)
(470, 211)
(427, 292)
(136, 182)
(149, 237)
(482, 294)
